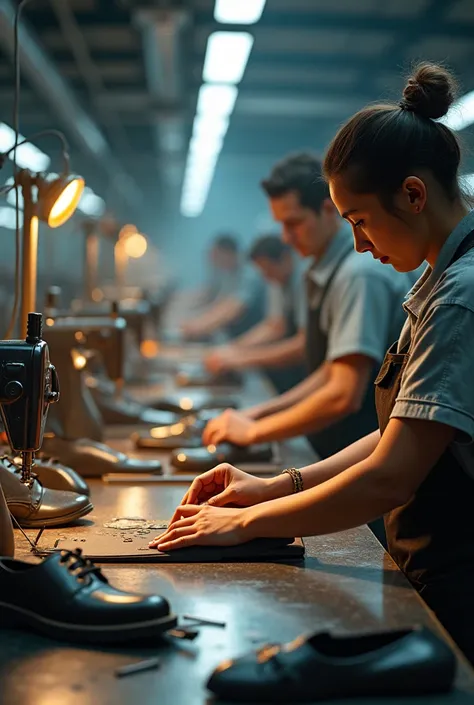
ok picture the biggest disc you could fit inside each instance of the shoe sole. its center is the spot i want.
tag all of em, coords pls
(13, 617)
(60, 521)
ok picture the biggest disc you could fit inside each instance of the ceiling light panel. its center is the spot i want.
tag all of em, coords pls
(227, 55)
(238, 11)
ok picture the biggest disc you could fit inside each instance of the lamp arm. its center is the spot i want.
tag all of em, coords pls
(45, 133)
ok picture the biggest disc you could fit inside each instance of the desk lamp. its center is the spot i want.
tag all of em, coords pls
(54, 202)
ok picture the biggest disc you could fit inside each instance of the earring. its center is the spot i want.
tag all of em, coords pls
(417, 209)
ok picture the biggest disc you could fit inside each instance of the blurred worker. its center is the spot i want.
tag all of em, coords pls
(277, 343)
(354, 312)
(235, 295)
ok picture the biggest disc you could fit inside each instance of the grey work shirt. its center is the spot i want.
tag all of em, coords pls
(284, 300)
(362, 312)
(438, 381)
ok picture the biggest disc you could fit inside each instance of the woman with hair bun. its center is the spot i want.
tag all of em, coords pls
(393, 175)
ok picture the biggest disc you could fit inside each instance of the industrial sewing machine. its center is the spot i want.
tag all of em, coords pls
(75, 430)
(28, 386)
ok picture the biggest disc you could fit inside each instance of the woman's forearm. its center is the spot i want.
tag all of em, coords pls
(354, 497)
(324, 470)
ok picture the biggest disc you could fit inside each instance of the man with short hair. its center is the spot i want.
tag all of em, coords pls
(235, 295)
(354, 312)
(276, 344)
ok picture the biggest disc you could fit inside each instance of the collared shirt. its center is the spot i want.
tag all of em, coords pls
(284, 300)
(362, 312)
(438, 382)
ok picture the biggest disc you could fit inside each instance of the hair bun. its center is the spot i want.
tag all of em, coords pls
(430, 91)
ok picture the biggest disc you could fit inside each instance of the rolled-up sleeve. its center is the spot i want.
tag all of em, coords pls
(438, 381)
(275, 302)
(360, 315)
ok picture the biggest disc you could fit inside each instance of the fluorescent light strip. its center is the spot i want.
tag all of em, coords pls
(216, 100)
(27, 155)
(238, 11)
(227, 55)
(460, 114)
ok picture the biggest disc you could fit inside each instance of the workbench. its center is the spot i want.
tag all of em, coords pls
(347, 584)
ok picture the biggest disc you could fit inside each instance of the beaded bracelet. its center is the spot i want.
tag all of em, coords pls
(296, 477)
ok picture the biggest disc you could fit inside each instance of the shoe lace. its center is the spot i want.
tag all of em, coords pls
(83, 568)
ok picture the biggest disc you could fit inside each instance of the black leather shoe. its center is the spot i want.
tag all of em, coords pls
(67, 597)
(205, 458)
(398, 663)
(92, 459)
(52, 474)
(36, 506)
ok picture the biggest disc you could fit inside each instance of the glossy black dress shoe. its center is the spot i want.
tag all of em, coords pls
(92, 459)
(52, 474)
(398, 663)
(67, 597)
(205, 458)
(36, 506)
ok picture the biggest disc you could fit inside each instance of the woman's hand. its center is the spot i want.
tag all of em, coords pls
(230, 426)
(225, 484)
(203, 526)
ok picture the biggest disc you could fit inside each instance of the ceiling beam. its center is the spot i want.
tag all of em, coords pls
(53, 89)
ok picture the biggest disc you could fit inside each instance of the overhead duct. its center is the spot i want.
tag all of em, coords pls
(53, 88)
(162, 33)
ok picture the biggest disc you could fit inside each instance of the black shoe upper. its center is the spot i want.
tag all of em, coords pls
(70, 589)
(412, 661)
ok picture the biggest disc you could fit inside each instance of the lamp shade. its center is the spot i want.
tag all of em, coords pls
(59, 198)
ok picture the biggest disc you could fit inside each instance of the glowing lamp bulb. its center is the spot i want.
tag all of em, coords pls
(135, 245)
(66, 203)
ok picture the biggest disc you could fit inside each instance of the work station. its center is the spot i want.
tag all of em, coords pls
(236, 334)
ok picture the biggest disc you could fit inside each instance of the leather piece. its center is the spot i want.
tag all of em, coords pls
(183, 403)
(67, 593)
(205, 458)
(36, 506)
(196, 376)
(56, 476)
(92, 459)
(399, 663)
(113, 549)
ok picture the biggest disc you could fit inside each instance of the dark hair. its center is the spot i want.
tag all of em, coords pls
(301, 173)
(383, 144)
(270, 247)
(226, 242)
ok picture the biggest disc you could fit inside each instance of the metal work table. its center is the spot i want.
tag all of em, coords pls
(347, 584)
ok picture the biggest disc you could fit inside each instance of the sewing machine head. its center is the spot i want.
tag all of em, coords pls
(86, 335)
(28, 385)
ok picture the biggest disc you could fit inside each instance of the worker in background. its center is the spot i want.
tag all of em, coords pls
(354, 311)
(276, 344)
(234, 298)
